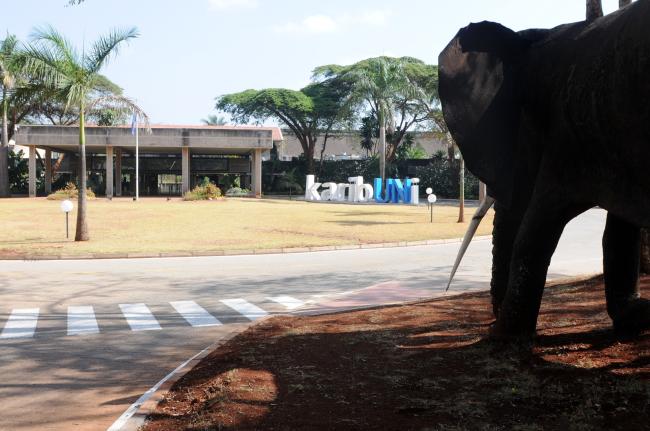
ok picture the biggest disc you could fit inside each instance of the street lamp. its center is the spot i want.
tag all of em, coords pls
(431, 199)
(66, 207)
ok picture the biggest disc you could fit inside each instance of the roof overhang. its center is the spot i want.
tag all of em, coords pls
(161, 139)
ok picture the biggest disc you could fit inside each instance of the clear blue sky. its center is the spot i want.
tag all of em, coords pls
(191, 51)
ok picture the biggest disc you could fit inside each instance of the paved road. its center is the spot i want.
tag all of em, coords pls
(82, 340)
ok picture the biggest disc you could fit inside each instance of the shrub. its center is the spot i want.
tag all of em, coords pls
(203, 192)
(237, 191)
(69, 192)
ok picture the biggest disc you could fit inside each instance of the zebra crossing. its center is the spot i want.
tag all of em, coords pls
(82, 320)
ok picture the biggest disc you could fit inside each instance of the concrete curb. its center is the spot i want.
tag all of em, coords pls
(249, 252)
(137, 420)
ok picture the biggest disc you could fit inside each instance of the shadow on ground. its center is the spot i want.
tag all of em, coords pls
(422, 366)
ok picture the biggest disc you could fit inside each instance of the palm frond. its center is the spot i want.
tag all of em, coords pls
(75, 95)
(43, 64)
(106, 46)
(58, 44)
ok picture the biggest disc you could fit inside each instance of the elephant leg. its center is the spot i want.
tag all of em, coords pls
(621, 260)
(506, 225)
(534, 246)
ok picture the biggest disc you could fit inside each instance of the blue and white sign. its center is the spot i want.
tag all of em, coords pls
(393, 191)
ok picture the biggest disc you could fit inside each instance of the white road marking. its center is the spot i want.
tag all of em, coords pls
(252, 312)
(195, 315)
(139, 317)
(289, 302)
(21, 323)
(81, 320)
(133, 408)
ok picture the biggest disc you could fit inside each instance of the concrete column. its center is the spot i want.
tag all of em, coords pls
(256, 173)
(118, 172)
(48, 172)
(109, 171)
(481, 191)
(185, 151)
(32, 171)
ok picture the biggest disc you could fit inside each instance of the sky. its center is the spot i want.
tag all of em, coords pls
(191, 51)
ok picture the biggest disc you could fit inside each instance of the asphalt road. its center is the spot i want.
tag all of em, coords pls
(82, 340)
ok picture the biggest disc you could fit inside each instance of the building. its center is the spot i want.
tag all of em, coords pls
(172, 159)
(346, 145)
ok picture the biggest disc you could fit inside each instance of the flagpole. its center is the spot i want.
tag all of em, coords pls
(137, 161)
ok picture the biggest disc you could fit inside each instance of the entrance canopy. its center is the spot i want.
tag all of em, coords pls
(186, 141)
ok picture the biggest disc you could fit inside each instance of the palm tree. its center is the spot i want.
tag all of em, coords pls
(214, 120)
(10, 68)
(380, 82)
(52, 59)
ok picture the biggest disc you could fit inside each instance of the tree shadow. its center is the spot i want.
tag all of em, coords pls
(421, 366)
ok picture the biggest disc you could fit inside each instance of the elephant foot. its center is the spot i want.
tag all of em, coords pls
(633, 317)
(500, 332)
(495, 310)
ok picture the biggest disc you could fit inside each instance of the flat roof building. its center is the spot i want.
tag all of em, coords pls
(172, 158)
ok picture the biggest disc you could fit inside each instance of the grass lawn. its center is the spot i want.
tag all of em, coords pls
(155, 225)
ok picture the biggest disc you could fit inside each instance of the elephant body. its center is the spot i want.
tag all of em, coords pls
(555, 122)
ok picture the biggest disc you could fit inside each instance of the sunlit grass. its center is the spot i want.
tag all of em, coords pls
(37, 226)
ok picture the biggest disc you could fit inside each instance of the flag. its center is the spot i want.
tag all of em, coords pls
(134, 123)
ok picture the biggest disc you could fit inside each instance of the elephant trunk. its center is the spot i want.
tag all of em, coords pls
(471, 230)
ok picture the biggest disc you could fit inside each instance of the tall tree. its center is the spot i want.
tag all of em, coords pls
(10, 69)
(381, 86)
(76, 79)
(308, 112)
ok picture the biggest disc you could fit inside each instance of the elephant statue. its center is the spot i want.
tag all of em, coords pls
(555, 122)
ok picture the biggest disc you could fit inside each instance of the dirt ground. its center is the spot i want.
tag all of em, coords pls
(426, 366)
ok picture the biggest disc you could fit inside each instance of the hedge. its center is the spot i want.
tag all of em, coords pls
(438, 173)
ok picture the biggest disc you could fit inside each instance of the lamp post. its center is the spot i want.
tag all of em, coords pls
(431, 199)
(66, 207)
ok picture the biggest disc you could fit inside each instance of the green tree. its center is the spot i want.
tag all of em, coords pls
(382, 86)
(214, 120)
(369, 133)
(309, 112)
(76, 79)
(10, 71)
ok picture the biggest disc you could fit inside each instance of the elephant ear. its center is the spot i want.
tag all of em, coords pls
(478, 77)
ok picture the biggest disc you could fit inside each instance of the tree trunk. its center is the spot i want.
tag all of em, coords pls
(309, 156)
(82, 227)
(382, 146)
(645, 251)
(461, 186)
(4, 150)
(594, 9)
(322, 153)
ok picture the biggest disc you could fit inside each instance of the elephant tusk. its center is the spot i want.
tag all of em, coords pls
(471, 230)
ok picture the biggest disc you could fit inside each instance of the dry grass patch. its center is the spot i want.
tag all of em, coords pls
(37, 226)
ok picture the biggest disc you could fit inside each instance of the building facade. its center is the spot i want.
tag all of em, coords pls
(172, 159)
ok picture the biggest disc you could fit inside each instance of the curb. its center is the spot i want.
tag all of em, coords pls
(248, 252)
(137, 419)
(134, 421)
